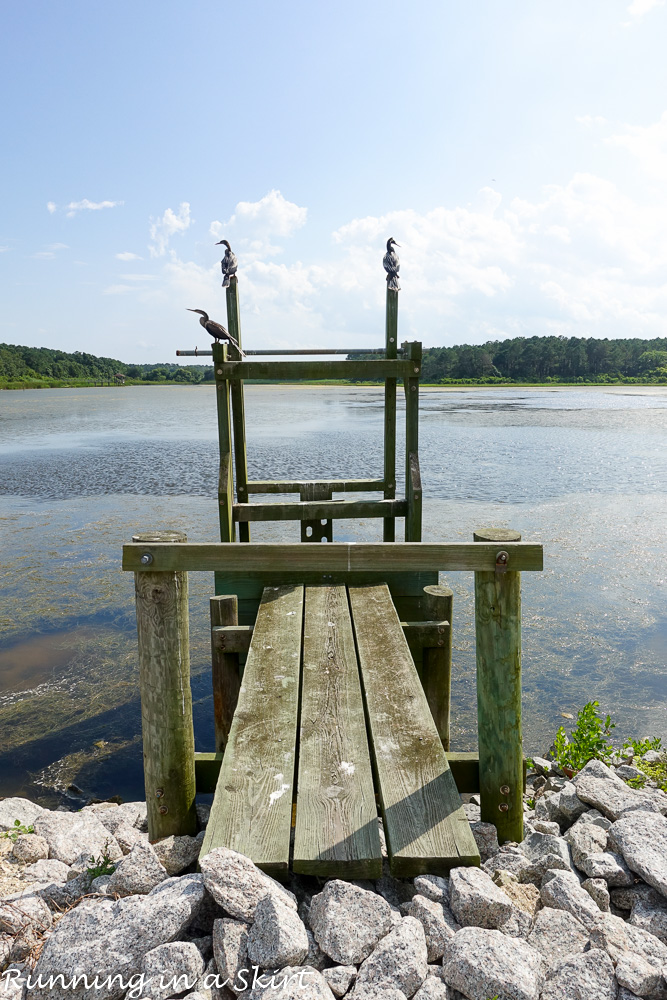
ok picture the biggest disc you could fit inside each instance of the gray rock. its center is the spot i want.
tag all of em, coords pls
(127, 836)
(628, 772)
(569, 802)
(481, 963)
(636, 974)
(598, 890)
(315, 957)
(510, 858)
(548, 808)
(596, 817)
(434, 887)
(543, 826)
(625, 899)
(23, 810)
(178, 853)
(563, 892)
(29, 848)
(398, 962)
(47, 871)
(71, 834)
(650, 913)
(292, 983)
(517, 925)
(537, 869)
(112, 816)
(438, 923)
(615, 936)
(277, 937)
(237, 884)
(598, 786)
(609, 866)
(486, 838)
(171, 969)
(138, 872)
(542, 766)
(110, 938)
(653, 756)
(585, 839)
(340, 978)
(27, 911)
(475, 899)
(585, 977)
(558, 936)
(100, 884)
(472, 811)
(433, 989)
(642, 840)
(348, 921)
(230, 950)
(538, 845)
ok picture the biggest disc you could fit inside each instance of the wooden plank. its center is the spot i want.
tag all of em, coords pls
(252, 808)
(299, 351)
(498, 646)
(413, 525)
(333, 558)
(225, 673)
(391, 347)
(317, 509)
(436, 671)
(413, 517)
(336, 831)
(365, 371)
(318, 529)
(238, 405)
(231, 638)
(296, 485)
(425, 825)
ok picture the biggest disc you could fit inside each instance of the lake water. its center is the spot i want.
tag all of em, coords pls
(582, 471)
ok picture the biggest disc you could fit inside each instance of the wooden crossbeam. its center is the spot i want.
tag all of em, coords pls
(295, 370)
(296, 485)
(318, 509)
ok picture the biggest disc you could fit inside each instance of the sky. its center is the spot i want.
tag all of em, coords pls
(517, 152)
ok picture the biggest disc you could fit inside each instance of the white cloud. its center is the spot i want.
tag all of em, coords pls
(117, 289)
(44, 255)
(128, 256)
(647, 144)
(57, 246)
(51, 206)
(4, 249)
(588, 120)
(163, 229)
(639, 8)
(90, 206)
(139, 277)
(254, 224)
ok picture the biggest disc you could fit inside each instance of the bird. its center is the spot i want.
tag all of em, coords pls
(391, 265)
(228, 264)
(216, 330)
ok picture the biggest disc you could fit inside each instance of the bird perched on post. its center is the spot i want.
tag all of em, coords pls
(216, 330)
(392, 265)
(228, 264)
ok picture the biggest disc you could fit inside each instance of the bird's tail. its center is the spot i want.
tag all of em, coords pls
(235, 343)
(225, 281)
(393, 283)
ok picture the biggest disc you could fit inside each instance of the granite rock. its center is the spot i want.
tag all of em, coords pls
(171, 969)
(348, 921)
(475, 900)
(23, 810)
(650, 913)
(641, 977)
(71, 834)
(28, 848)
(598, 786)
(237, 885)
(585, 839)
(49, 870)
(598, 890)
(292, 983)
(230, 950)
(616, 936)
(558, 936)
(127, 836)
(434, 887)
(486, 838)
(398, 961)
(438, 923)
(642, 840)
(138, 872)
(586, 977)
(339, 978)
(178, 853)
(277, 937)
(481, 963)
(564, 892)
(432, 989)
(510, 858)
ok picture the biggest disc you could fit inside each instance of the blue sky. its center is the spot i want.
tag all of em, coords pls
(517, 151)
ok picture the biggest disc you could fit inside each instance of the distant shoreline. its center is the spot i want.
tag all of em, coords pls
(341, 383)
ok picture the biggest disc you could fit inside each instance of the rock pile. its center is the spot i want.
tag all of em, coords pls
(577, 911)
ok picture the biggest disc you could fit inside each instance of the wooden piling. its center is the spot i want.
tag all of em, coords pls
(225, 474)
(225, 669)
(498, 638)
(391, 352)
(238, 407)
(413, 522)
(437, 660)
(166, 699)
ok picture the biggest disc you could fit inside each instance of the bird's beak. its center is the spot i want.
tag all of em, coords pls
(397, 245)
(190, 310)
(218, 243)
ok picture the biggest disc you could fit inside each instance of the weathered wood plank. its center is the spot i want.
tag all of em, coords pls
(252, 808)
(437, 660)
(231, 638)
(296, 485)
(413, 516)
(336, 831)
(225, 474)
(336, 557)
(225, 673)
(425, 825)
(294, 370)
(391, 348)
(318, 529)
(318, 510)
(413, 522)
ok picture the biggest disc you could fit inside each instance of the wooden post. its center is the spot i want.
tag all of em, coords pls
(391, 351)
(238, 408)
(226, 674)
(320, 530)
(437, 661)
(498, 638)
(166, 699)
(225, 476)
(413, 352)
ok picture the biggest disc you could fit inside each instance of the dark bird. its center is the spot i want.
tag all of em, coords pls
(392, 265)
(216, 330)
(228, 264)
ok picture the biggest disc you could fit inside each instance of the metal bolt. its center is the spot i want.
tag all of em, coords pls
(504, 789)
(416, 369)
(441, 629)
(441, 642)
(159, 792)
(503, 807)
(413, 387)
(163, 810)
(502, 558)
(391, 340)
(416, 496)
(146, 559)
(219, 371)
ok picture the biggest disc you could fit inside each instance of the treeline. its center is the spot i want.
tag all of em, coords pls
(549, 359)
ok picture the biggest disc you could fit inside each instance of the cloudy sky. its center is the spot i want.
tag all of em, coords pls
(517, 151)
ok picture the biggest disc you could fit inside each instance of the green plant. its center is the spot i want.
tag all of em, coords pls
(640, 747)
(17, 830)
(100, 866)
(657, 772)
(530, 803)
(588, 740)
(638, 782)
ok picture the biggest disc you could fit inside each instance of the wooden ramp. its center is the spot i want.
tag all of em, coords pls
(362, 728)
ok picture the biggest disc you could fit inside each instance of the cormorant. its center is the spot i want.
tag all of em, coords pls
(391, 265)
(216, 330)
(228, 264)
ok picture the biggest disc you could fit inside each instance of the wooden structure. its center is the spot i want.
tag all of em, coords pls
(331, 662)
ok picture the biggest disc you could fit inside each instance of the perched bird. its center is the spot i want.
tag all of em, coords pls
(392, 265)
(216, 330)
(228, 264)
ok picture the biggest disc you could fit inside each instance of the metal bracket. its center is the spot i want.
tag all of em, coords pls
(502, 558)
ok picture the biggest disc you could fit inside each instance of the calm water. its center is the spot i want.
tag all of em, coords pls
(584, 472)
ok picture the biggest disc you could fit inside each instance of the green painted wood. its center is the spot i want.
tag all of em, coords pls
(391, 348)
(231, 638)
(293, 370)
(426, 635)
(238, 405)
(336, 834)
(498, 643)
(437, 660)
(166, 701)
(413, 527)
(252, 807)
(319, 509)
(296, 485)
(225, 675)
(225, 475)
(347, 557)
(425, 825)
